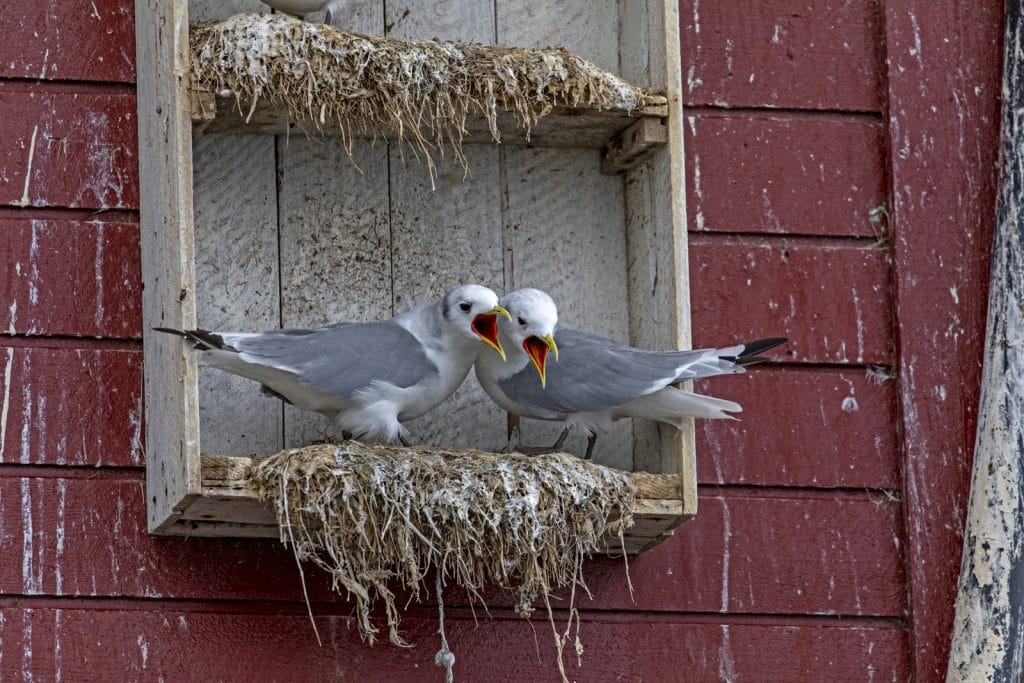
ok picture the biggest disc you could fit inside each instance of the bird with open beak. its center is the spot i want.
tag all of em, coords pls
(595, 380)
(367, 377)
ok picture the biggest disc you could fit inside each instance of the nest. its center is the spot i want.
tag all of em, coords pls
(374, 515)
(420, 91)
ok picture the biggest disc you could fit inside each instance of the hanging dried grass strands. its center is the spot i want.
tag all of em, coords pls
(371, 514)
(419, 91)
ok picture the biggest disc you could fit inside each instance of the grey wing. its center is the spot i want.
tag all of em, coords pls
(595, 374)
(340, 359)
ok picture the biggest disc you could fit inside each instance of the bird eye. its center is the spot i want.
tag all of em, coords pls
(464, 306)
(522, 323)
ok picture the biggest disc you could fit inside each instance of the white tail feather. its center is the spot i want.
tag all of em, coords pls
(671, 404)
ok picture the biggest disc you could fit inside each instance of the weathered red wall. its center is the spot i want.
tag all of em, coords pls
(828, 537)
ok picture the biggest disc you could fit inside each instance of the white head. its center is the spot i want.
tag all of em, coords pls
(472, 310)
(531, 325)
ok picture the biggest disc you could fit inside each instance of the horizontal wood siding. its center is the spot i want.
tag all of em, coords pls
(798, 564)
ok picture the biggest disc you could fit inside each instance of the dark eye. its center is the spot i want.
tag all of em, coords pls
(522, 323)
(464, 306)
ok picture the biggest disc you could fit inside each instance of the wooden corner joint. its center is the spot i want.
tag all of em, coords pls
(632, 145)
(203, 108)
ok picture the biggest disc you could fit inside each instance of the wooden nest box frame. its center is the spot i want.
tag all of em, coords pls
(591, 208)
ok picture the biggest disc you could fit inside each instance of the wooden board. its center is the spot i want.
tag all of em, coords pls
(943, 188)
(768, 172)
(61, 41)
(237, 272)
(168, 256)
(46, 392)
(69, 149)
(70, 277)
(786, 409)
(789, 54)
(831, 298)
(176, 642)
(565, 128)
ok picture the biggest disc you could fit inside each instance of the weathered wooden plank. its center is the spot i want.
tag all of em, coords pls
(778, 439)
(792, 54)
(768, 555)
(943, 69)
(988, 628)
(70, 277)
(656, 240)
(175, 643)
(786, 173)
(62, 148)
(447, 232)
(74, 40)
(168, 255)
(48, 414)
(563, 222)
(335, 236)
(830, 298)
(562, 128)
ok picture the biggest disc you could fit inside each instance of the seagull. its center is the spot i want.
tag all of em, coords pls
(300, 8)
(367, 377)
(595, 380)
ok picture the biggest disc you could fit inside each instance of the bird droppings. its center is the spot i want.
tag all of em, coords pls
(370, 515)
(419, 91)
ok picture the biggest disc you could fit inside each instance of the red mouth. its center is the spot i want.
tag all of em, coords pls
(485, 326)
(537, 350)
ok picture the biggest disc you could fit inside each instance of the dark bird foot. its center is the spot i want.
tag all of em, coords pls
(544, 450)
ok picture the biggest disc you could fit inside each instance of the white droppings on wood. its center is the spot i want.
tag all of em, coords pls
(7, 401)
(26, 421)
(31, 576)
(726, 661)
(850, 405)
(97, 275)
(726, 541)
(12, 314)
(33, 261)
(24, 201)
(59, 541)
(26, 644)
(58, 616)
(143, 650)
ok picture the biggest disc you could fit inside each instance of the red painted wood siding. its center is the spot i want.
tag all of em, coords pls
(827, 201)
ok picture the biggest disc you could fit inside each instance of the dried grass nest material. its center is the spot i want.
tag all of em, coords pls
(416, 90)
(371, 515)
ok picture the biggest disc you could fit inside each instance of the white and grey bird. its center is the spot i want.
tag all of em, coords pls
(300, 8)
(367, 377)
(594, 380)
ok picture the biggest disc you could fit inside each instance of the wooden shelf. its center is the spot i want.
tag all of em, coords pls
(228, 506)
(626, 137)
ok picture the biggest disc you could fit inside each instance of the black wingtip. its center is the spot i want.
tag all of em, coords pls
(203, 339)
(749, 354)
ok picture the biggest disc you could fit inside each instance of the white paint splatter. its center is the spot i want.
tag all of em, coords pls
(726, 538)
(916, 50)
(98, 277)
(31, 581)
(143, 650)
(26, 644)
(59, 550)
(850, 405)
(33, 278)
(46, 58)
(58, 615)
(7, 401)
(953, 293)
(13, 317)
(24, 201)
(726, 663)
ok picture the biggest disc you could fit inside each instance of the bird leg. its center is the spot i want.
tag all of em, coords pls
(403, 440)
(590, 447)
(544, 450)
(327, 17)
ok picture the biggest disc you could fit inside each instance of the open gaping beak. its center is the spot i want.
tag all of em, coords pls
(537, 349)
(485, 326)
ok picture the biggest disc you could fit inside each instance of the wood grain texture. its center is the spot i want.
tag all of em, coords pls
(448, 234)
(70, 406)
(818, 554)
(237, 283)
(74, 40)
(562, 221)
(175, 643)
(785, 173)
(335, 247)
(943, 91)
(61, 148)
(70, 277)
(168, 257)
(988, 627)
(807, 427)
(788, 53)
(831, 299)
